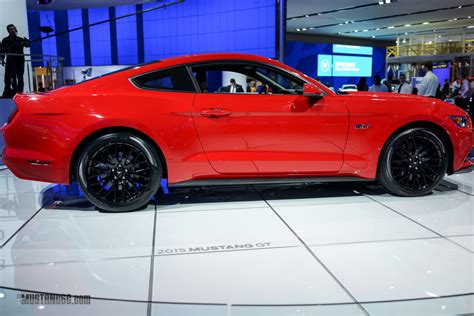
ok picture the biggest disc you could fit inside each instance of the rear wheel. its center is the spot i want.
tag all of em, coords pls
(413, 162)
(119, 172)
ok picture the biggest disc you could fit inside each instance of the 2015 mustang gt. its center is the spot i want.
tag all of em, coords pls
(183, 119)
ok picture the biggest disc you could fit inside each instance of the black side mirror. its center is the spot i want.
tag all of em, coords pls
(311, 91)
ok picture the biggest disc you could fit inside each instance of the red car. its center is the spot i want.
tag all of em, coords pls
(179, 119)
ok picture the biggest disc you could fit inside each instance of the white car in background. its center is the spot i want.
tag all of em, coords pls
(348, 87)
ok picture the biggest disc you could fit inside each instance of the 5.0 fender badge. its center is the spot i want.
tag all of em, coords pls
(362, 126)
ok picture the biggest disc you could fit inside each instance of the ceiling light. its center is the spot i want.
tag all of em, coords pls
(424, 23)
(450, 40)
(430, 42)
(298, 30)
(304, 29)
(320, 14)
(373, 36)
(347, 22)
(460, 7)
(406, 33)
(470, 27)
(407, 25)
(404, 41)
(381, 2)
(439, 36)
(391, 27)
(469, 17)
(365, 30)
(356, 31)
(377, 29)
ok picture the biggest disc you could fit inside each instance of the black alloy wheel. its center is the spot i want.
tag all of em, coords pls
(413, 163)
(119, 172)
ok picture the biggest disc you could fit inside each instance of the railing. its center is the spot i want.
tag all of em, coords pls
(444, 48)
(45, 68)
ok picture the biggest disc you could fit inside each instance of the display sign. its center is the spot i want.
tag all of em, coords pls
(344, 66)
(351, 49)
(352, 66)
(325, 65)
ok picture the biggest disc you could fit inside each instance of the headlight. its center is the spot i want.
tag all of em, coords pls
(461, 121)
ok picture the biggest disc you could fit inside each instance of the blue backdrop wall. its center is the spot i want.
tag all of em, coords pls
(304, 57)
(194, 26)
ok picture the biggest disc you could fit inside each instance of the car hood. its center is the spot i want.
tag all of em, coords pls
(405, 99)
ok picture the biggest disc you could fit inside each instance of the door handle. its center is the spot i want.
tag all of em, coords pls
(215, 112)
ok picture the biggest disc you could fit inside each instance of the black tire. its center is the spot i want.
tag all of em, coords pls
(413, 162)
(119, 172)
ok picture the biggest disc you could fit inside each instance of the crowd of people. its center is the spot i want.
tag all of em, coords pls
(460, 91)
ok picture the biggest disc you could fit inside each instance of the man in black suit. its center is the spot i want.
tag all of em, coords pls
(234, 87)
(15, 64)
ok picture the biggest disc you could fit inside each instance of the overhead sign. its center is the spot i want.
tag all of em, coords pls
(351, 49)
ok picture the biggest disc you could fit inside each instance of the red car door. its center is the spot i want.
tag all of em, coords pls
(271, 133)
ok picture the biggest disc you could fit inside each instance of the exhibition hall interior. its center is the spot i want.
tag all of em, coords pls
(236, 157)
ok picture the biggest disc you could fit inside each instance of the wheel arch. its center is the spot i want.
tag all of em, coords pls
(435, 128)
(109, 130)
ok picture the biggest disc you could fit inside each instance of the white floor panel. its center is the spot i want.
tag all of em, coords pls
(464, 181)
(188, 309)
(15, 211)
(320, 310)
(344, 223)
(461, 305)
(9, 306)
(270, 276)
(453, 215)
(116, 278)
(81, 238)
(401, 269)
(232, 229)
(9, 184)
(465, 241)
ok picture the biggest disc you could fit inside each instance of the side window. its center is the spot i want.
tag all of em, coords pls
(174, 79)
(235, 77)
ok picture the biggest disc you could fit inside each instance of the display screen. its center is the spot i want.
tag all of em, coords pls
(352, 66)
(344, 66)
(353, 50)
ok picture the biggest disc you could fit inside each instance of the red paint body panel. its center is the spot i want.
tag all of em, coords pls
(262, 136)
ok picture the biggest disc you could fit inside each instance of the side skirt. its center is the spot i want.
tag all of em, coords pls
(250, 181)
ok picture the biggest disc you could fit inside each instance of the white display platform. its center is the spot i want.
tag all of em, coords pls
(329, 249)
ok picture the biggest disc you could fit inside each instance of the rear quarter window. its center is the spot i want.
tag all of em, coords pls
(173, 79)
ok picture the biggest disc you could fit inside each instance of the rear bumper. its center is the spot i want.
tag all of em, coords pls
(34, 152)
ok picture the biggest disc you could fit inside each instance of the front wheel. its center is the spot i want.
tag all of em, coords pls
(413, 163)
(119, 172)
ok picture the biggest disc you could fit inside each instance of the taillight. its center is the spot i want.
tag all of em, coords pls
(12, 115)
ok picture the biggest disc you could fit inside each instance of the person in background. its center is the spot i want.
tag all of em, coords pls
(388, 83)
(430, 83)
(457, 86)
(464, 93)
(252, 86)
(362, 84)
(234, 87)
(445, 90)
(378, 86)
(404, 87)
(15, 64)
(41, 87)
